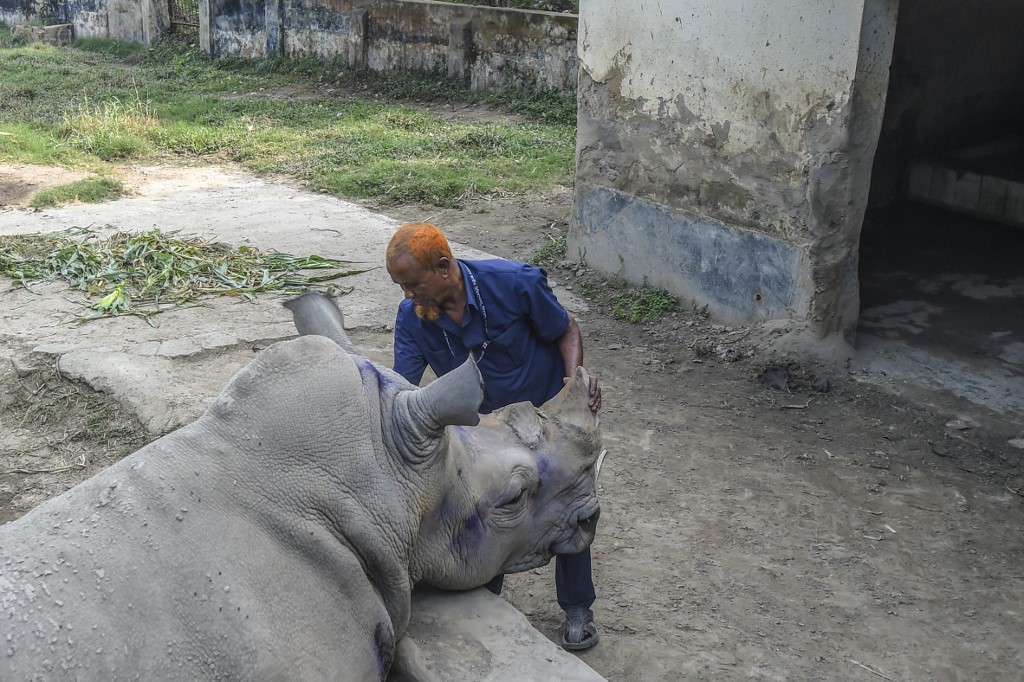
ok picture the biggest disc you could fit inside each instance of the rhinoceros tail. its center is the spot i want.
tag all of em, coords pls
(318, 314)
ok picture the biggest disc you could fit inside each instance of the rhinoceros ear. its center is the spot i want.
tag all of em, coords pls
(317, 314)
(420, 416)
(571, 405)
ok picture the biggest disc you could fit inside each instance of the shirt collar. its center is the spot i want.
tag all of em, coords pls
(467, 284)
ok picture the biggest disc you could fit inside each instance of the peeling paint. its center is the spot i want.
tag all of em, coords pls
(740, 275)
(482, 46)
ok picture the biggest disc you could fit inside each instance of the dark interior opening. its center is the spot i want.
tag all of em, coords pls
(942, 246)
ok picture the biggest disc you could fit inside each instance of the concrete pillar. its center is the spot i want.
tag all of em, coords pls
(156, 20)
(274, 22)
(206, 37)
(460, 49)
(723, 149)
(359, 26)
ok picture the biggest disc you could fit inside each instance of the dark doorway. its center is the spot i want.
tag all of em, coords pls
(942, 247)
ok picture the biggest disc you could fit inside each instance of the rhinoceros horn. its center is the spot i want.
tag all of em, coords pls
(420, 416)
(315, 313)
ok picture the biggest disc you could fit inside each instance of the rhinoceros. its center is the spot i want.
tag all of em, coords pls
(279, 536)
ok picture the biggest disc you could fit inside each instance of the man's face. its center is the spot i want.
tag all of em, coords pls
(425, 287)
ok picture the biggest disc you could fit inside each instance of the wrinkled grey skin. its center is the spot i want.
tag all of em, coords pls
(278, 537)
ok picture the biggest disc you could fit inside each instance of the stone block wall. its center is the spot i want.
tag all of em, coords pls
(59, 35)
(480, 46)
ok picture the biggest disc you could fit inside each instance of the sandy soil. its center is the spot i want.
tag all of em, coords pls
(763, 517)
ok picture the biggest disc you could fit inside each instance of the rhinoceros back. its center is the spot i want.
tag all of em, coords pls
(158, 568)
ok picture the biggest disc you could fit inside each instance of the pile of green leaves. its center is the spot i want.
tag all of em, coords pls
(152, 272)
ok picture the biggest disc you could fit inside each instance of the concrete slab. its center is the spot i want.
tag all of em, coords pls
(479, 637)
(59, 35)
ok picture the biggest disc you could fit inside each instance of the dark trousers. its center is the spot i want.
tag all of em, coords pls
(574, 582)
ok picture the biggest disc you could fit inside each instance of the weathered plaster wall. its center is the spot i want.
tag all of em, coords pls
(139, 20)
(15, 12)
(238, 27)
(957, 69)
(481, 46)
(733, 144)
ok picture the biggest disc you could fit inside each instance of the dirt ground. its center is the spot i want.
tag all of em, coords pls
(763, 517)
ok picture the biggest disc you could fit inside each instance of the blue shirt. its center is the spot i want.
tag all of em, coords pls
(512, 323)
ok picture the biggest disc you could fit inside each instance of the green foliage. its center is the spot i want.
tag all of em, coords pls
(105, 102)
(551, 253)
(152, 272)
(89, 191)
(6, 36)
(643, 304)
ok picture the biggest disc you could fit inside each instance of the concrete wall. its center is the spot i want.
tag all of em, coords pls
(480, 46)
(140, 20)
(957, 69)
(724, 149)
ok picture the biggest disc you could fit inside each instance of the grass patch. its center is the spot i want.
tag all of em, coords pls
(6, 36)
(108, 101)
(110, 130)
(551, 253)
(88, 191)
(152, 272)
(643, 304)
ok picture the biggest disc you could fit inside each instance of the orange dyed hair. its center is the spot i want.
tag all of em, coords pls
(423, 241)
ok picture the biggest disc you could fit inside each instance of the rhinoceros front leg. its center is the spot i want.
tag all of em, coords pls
(409, 665)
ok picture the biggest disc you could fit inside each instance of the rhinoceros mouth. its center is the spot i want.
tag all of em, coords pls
(581, 533)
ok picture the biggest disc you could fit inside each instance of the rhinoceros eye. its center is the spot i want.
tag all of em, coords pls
(517, 500)
(518, 490)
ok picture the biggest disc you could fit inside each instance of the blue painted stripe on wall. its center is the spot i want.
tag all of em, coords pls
(741, 275)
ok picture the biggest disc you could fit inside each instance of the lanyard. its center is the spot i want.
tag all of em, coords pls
(483, 314)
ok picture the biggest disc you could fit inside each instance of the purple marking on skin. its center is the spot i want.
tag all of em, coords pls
(369, 372)
(543, 466)
(384, 642)
(471, 534)
(447, 512)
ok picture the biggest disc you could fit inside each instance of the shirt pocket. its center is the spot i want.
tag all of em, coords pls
(441, 361)
(510, 351)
